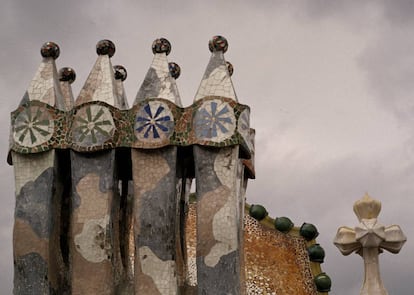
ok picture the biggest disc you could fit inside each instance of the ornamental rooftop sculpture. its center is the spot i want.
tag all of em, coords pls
(368, 239)
(103, 189)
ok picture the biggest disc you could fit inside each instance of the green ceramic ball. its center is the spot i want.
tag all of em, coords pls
(258, 212)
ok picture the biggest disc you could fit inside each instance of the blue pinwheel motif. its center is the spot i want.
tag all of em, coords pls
(214, 121)
(154, 122)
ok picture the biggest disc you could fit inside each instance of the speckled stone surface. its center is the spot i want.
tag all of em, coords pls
(276, 263)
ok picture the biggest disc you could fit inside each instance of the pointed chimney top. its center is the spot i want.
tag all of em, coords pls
(216, 80)
(100, 84)
(159, 82)
(45, 86)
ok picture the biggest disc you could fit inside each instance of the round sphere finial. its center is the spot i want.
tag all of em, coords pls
(258, 212)
(120, 73)
(308, 231)
(67, 75)
(283, 224)
(105, 47)
(323, 282)
(316, 253)
(161, 45)
(230, 68)
(218, 43)
(175, 70)
(50, 49)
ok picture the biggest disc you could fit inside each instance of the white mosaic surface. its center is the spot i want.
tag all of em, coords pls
(162, 272)
(91, 242)
(45, 86)
(100, 84)
(216, 82)
(167, 85)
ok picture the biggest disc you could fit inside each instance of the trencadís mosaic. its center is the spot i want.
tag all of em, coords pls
(152, 123)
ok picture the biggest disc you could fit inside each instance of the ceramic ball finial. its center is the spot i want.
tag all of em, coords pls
(105, 47)
(50, 49)
(218, 43)
(161, 45)
(120, 73)
(175, 70)
(67, 75)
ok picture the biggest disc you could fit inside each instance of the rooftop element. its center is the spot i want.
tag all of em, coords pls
(159, 82)
(368, 239)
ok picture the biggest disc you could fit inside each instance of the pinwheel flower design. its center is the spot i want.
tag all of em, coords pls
(93, 125)
(33, 126)
(154, 122)
(214, 121)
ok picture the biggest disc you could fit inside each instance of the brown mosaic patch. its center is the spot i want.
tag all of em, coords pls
(26, 241)
(91, 278)
(94, 203)
(144, 284)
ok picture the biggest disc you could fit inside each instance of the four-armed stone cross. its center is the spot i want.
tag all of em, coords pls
(368, 239)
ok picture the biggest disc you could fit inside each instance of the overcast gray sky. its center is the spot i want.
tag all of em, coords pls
(329, 83)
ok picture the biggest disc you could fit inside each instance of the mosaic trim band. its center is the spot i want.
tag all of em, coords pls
(153, 123)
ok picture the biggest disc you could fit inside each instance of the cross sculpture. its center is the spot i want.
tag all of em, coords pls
(368, 239)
